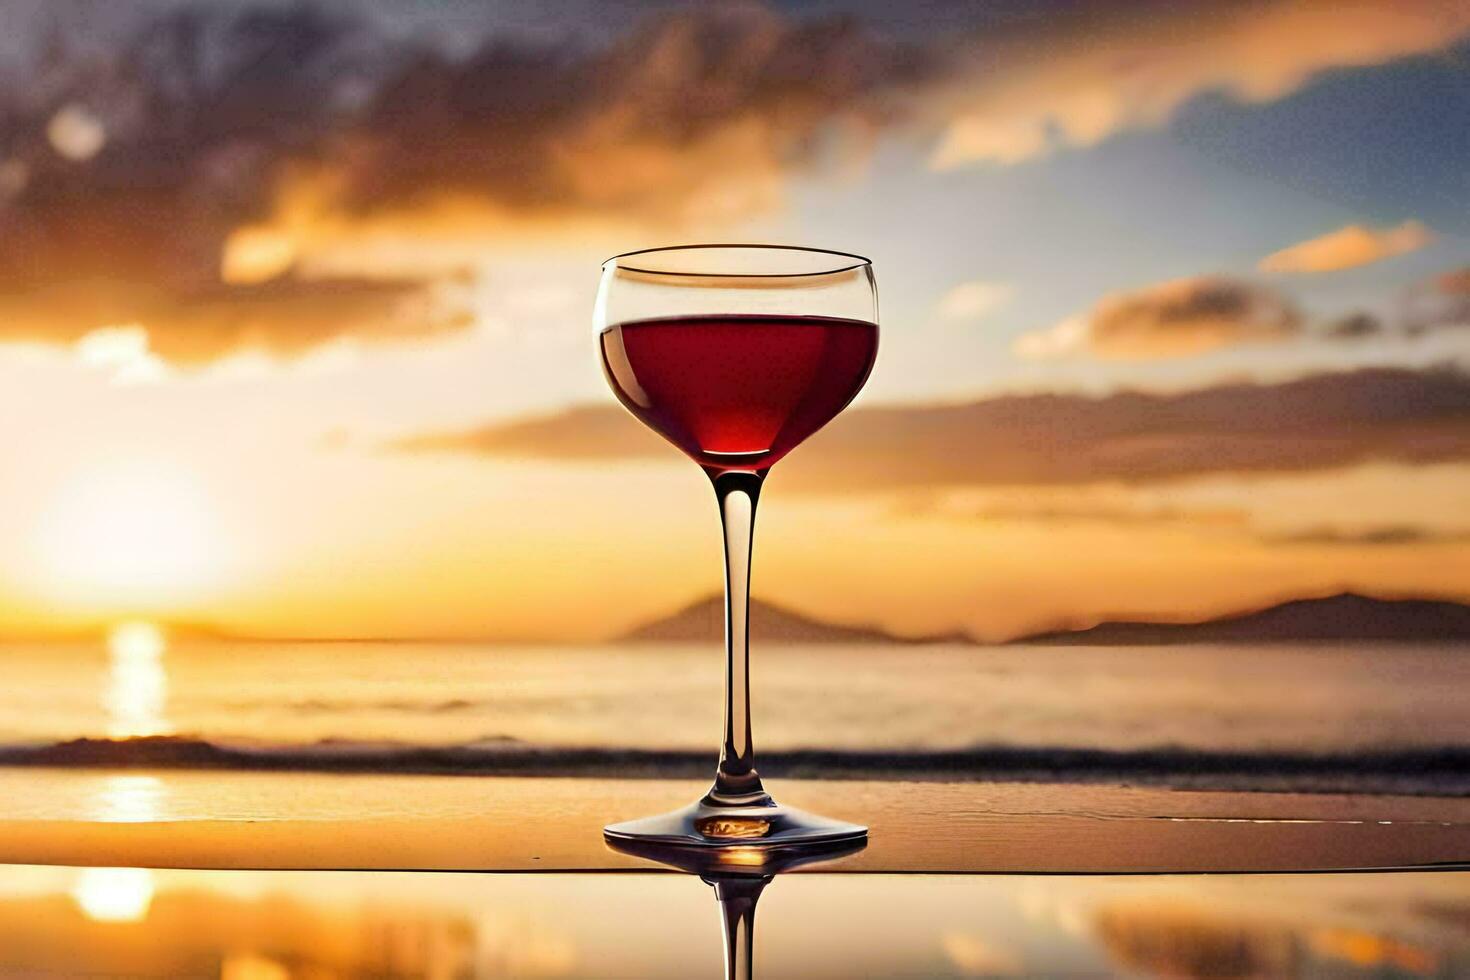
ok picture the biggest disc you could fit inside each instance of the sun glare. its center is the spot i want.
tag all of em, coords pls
(128, 536)
(137, 684)
(123, 352)
(114, 894)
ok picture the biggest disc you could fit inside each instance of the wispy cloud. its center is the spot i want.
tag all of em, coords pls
(1348, 248)
(1313, 423)
(1092, 512)
(1111, 68)
(1196, 315)
(586, 433)
(1171, 319)
(974, 300)
(1077, 506)
(1442, 302)
(1354, 326)
(1379, 536)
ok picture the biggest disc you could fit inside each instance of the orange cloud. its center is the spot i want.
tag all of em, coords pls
(1171, 319)
(206, 177)
(1032, 92)
(1313, 423)
(283, 318)
(1348, 248)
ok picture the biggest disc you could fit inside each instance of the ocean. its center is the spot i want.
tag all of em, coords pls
(1391, 710)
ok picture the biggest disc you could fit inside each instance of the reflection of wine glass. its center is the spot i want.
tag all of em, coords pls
(735, 354)
(738, 875)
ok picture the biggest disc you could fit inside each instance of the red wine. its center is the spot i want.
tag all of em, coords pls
(738, 392)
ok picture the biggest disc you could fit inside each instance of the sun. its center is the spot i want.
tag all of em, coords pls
(126, 535)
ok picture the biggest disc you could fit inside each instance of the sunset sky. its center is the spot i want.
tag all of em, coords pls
(295, 308)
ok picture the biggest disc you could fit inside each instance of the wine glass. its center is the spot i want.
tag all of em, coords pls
(735, 354)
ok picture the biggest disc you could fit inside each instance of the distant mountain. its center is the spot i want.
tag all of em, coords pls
(703, 621)
(1346, 616)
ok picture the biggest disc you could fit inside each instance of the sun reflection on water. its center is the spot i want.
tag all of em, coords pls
(114, 894)
(252, 966)
(137, 683)
(127, 799)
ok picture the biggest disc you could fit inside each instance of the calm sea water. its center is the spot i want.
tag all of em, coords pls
(1317, 698)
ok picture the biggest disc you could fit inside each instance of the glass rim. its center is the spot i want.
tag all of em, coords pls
(852, 261)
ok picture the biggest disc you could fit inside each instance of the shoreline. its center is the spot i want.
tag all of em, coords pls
(1429, 771)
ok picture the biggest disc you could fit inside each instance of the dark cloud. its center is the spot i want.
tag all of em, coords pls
(138, 164)
(1354, 326)
(1170, 319)
(1427, 307)
(1312, 423)
(1204, 313)
(182, 180)
(1442, 302)
(197, 119)
(212, 113)
(1439, 303)
(660, 123)
(125, 178)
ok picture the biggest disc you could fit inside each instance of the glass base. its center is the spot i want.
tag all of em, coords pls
(766, 826)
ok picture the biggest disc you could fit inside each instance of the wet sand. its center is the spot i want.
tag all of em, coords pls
(91, 887)
(317, 821)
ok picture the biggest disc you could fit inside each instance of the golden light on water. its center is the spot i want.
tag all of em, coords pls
(127, 799)
(114, 894)
(137, 683)
(252, 966)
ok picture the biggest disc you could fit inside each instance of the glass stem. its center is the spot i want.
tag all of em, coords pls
(736, 781)
(737, 898)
